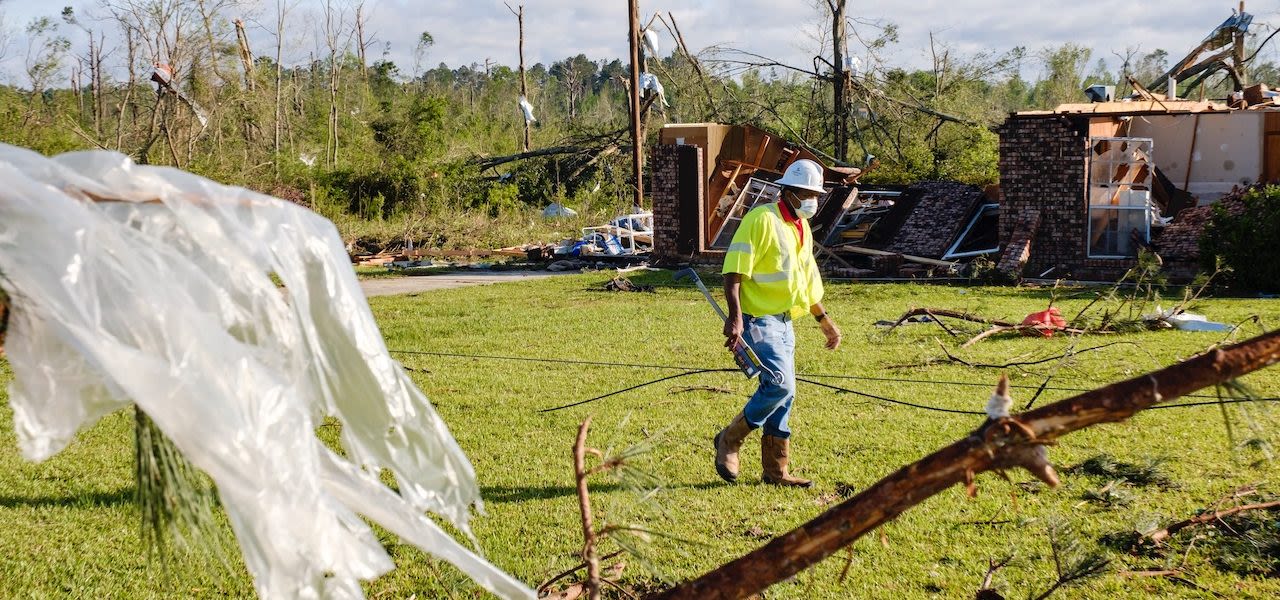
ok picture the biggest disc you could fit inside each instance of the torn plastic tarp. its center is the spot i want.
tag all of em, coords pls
(527, 109)
(555, 210)
(160, 293)
(649, 81)
(1185, 321)
(650, 38)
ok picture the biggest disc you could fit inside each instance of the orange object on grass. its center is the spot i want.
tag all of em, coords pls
(1046, 321)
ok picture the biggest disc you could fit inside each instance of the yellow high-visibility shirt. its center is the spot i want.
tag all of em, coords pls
(779, 274)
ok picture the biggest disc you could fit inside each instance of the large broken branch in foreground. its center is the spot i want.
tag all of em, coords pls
(1002, 444)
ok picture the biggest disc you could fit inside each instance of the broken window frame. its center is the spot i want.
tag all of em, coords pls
(755, 193)
(977, 216)
(1139, 157)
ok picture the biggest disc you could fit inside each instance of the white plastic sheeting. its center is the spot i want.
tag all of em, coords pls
(527, 110)
(163, 296)
(649, 81)
(650, 38)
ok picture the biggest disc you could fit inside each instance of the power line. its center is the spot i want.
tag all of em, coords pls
(687, 371)
(710, 369)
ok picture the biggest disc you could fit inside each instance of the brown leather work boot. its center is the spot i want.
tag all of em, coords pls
(727, 443)
(774, 455)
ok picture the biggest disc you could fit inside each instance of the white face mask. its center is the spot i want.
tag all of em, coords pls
(808, 208)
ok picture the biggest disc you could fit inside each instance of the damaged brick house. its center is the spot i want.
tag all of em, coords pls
(705, 176)
(1082, 189)
(1085, 186)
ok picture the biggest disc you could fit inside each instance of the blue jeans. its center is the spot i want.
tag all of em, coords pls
(774, 342)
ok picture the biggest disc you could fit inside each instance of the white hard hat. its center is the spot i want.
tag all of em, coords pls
(804, 174)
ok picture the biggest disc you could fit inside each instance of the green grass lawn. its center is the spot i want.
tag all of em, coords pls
(68, 527)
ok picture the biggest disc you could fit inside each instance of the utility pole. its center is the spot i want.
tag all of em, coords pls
(839, 79)
(637, 140)
(524, 84)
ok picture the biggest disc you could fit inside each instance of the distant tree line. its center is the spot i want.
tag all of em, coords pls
(176, 82)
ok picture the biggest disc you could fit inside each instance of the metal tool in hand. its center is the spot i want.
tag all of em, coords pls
(746, 358)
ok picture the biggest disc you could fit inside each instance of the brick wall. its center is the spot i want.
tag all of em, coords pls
(676, 188)
(1179, 243)
(1017, 250)
(941, 212)
(1043, 167)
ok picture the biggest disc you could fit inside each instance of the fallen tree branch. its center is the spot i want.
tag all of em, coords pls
(494, 161)
(1018, 364)
(1160, 535)
(945, 312)
(996, 445)
(589, 555)
(1037, 329)
(985, 591)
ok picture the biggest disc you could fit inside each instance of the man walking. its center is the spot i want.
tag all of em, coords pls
(770, 277)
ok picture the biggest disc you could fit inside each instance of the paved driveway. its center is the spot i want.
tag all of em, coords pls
(391, 286)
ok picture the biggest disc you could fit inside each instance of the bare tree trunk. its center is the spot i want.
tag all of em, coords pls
(76, 72)
(282, 10)
(126, 104)
(839, 80)
(332, 30)
(1017, 441)
(637, 139)
(207, 15)
(524, 83)
(360, 44)
(246, 55)
(95, 84)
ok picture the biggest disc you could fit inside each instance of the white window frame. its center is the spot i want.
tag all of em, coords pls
(977, 215)
(1138, 200)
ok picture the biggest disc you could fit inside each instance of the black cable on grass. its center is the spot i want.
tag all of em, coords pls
(565, 361)
(636, 387)
(597, 363)
(891, 400)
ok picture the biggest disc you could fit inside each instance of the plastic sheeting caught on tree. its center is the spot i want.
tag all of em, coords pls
(527, 109)
(649, 81)
(149, 285)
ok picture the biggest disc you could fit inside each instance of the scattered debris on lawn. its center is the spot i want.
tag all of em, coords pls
(1238, 536)
(556, 210)
(622, 284)
(1105, 466)
(1182, 320)
(934, 313)
(1017, 363)
(566, 265)
(1112, 495)
(629, 236)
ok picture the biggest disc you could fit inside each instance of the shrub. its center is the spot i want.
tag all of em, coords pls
(1244, 233)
